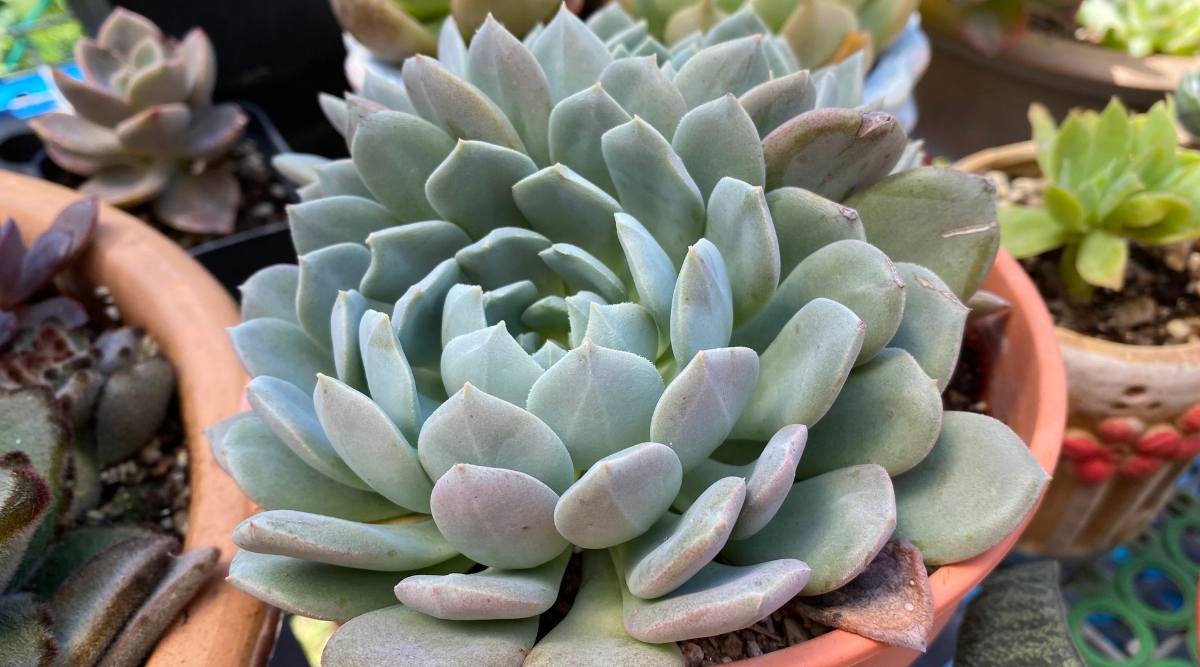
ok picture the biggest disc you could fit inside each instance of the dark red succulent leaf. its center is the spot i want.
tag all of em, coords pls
(79, 221)
(63, 308)
(12, 255)
(47, 254)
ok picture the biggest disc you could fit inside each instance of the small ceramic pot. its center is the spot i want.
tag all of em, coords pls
(1133, 425)
(158, 286)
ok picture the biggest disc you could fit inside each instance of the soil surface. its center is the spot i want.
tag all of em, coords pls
(1159, 304)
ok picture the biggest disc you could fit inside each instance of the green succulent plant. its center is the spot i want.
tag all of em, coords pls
(1143, 27)
(994, 25)
(1113, 177)
(69, 404)
(144, 128)
(558, 300)
(393, 30)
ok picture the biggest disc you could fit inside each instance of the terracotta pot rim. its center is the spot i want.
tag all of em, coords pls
(159, 286)
(1024, 153)
(1057, 56)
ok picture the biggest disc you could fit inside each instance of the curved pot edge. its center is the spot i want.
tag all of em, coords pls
(157, 285)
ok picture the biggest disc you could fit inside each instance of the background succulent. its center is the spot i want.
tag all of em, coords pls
(144, 127)
(557, 298)
(1143, 27)
(1187, 102)
(71, 402)
(993, 25)
(1113, 177)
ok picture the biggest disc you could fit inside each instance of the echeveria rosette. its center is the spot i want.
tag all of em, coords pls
(1144, 27)
(144, 127)
(1113, 177)
(555, 300)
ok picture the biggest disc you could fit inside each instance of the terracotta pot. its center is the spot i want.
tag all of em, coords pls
(158, 286)
(995, 92)
(1124, 397)
(1026, 390)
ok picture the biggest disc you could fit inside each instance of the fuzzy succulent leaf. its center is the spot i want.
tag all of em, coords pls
(739, 224)
(271, 292)
(395, 153)
(24, 500)
(543, 197)
(583, 272)
(323, 274)
(25, 631)
(933, 324)
(131, 408)
(702, 305)
(623, 326)
(806, 222)
(458, 108)
(773, 103)
(641, 88)
(473, 187)
(577, 128)
(719, 140)
(492, 594)
(492, 360)
(833, 152)
(510, 75)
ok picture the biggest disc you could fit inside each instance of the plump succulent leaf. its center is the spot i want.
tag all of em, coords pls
(25, 631)
(933, 324)
(492, 594)
(700, 406)
(806, 222)
(271, 292)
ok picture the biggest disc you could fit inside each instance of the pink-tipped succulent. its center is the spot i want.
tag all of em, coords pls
(145, 128)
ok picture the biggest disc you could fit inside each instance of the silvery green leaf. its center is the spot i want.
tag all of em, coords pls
(473, 187)
(848, 77)
(581, 271)
(452, 50)
(888, 413)
(653, 186)
(491, 360)
(547, 315)
(972, 491)
(347, 312)
(403, 254)
(492, 594)
(289, 413)
(385, 91)
(324, 273)
(630, 37)
(593, 633)
(777, 62)
(395, 153)
(299, 168)
(668, 71)
(533, 34)
(856, 275)
(642, 89)
(623, 326)
(384, 547)
(478, 429)
(805, 223)
(454, 105)
(371, 445)
(267, 346)
(742, 23)
(942, 219)
(982, 304)
(498, 517)
(579, 309)
(718, 599)
(716, 140)
(358, 108)
(549, 354)
(310, 192)
(216, 433)
(506, 304)
(768, 480)
(651, 47)
(544, 196)
(577, 125)
(337, 219)
(401, 637)
(390, 379)
(681, 53)
(276, 479)
(608, 21)
(599, 401)
(530, 341)
(334, 109)
(417, 317)
(652, 272)
(508, 255)
(701, 405)
(462, 312)
(339, 177)
(619, 497)
(833, 152)
(571, 56)
(739, 224)
(800, 529)
(677, 547)
(779, 100)
(715, 71)
(318, 590)
(507, 72)
(702, 306)
(803, 369)
(271, 292)
(933, 324)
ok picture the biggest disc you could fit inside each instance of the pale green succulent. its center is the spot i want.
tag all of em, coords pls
(144, 128)
(1143, 27)
(558, 300)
